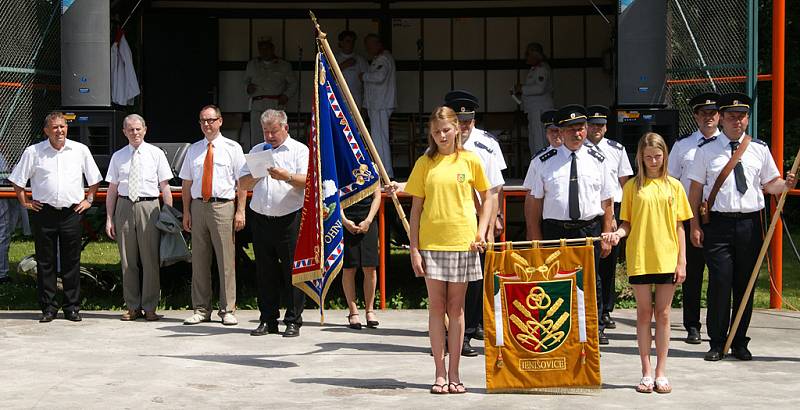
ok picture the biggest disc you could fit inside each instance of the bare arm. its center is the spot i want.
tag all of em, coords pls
(416, 257)
(239, 215)
(680, 269)
(778, 185)
(166, 192)
(111, 204)
(533, 217)
(695, 197)
(34, 205)
(608, 220)
(363, 226)
(488, 207)
(186, 198)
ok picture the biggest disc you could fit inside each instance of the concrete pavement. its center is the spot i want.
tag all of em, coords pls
(105, 363)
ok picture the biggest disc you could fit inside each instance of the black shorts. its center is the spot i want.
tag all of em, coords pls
(652, 279)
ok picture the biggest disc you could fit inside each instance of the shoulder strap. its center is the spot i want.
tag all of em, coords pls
(727, 171)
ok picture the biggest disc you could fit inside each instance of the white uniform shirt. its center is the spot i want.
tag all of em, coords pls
(538, 88)
(56, 176)
(759, 169)
(278, 198)
(617, 163)
(351, 74)
(551, 182)
(489, 141)
(270, 77)
(682, 155)
(153, 168)
(228, 162)
(533, 167)
(379, 83)
(490, 166)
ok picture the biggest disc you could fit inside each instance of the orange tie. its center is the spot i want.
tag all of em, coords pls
(208, 172)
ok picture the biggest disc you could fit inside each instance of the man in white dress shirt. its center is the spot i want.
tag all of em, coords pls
(137, 174)
(619, 166)
(537, 94)
(210, 173)
(548, 119)
(706, 115)
(733, 237)
(380, 97)
(571, 199)
(275, 223)
(352, 65)
(56, 168)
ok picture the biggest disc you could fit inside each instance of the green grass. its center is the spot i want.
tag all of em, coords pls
(404, 291)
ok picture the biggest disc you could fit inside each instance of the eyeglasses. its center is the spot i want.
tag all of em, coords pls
(208, 121)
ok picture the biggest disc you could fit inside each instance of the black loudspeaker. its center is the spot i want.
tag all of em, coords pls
(100, 130)
(85, 53)
(641, 52)
(175, 152)
(627, 125)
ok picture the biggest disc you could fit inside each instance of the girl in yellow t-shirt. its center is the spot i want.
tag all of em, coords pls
(654, 206)
(445, 237)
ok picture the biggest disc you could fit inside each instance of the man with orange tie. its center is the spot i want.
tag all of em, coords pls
(209, 214)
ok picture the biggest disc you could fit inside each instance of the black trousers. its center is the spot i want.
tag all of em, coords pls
(608, 270)
(57, 232)
(693, 285)
(473, 305)
(274, 240)
(731, 248)
(552, 230)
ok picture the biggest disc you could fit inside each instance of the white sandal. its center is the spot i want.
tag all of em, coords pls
(645, 385)
(662, 385)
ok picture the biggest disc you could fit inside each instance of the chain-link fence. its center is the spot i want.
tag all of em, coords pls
(30, 76)
(706, 51)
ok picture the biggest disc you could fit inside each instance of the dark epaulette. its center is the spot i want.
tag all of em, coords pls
(615, 144)
(481, 146)
(706, 141)
(684, 136)
(549, 154)
(490, 135)
(759, 142)
(597, 154)
(587, 143)
(541, 151)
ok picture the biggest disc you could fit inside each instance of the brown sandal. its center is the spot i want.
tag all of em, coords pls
(453, 388)
(441, 390)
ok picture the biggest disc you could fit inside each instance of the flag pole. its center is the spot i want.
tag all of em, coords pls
(322, 37)
(759, 261)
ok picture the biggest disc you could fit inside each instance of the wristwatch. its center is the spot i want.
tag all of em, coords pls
(89, 199)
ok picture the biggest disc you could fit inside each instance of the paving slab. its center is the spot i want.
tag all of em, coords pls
(103, 362)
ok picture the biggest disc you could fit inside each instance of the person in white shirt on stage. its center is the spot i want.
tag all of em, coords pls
(537, 94)
(210, 173)
(275, 222)
(706, 115)
(380, 97)
(137, 174)
(352, 65)
(56, 168)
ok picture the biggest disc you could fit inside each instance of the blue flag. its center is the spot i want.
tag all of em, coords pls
(341, 173)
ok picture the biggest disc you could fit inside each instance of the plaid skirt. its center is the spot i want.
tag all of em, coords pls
(452, 266)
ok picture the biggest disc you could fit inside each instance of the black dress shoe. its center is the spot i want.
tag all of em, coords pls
(713, 355)
(478, 333)
(602, 338)
(693, 336)
(609, 322)
(292, 330)
(467, 350)
(261, 330)
(742, 353)
(47, 317)
(72, 316)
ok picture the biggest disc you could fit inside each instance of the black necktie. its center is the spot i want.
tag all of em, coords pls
(738, 171)
(574, 204)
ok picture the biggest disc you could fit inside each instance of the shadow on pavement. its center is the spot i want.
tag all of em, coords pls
(368, 384)
(371, 347)
(201, 330)
(239, 360)
(381, 331)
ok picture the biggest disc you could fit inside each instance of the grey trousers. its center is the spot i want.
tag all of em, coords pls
(212, 231)
(138, 240)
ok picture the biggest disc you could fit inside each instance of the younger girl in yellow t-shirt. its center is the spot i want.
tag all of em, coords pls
(445, 237)
(654, 206)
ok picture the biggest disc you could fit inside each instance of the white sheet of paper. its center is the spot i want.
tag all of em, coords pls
(258, 162)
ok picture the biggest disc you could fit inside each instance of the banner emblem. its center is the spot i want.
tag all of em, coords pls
(539, 313)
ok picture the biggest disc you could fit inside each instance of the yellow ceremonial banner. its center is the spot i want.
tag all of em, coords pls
(540, 320)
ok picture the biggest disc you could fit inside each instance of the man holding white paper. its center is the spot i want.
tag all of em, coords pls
(276, 204)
